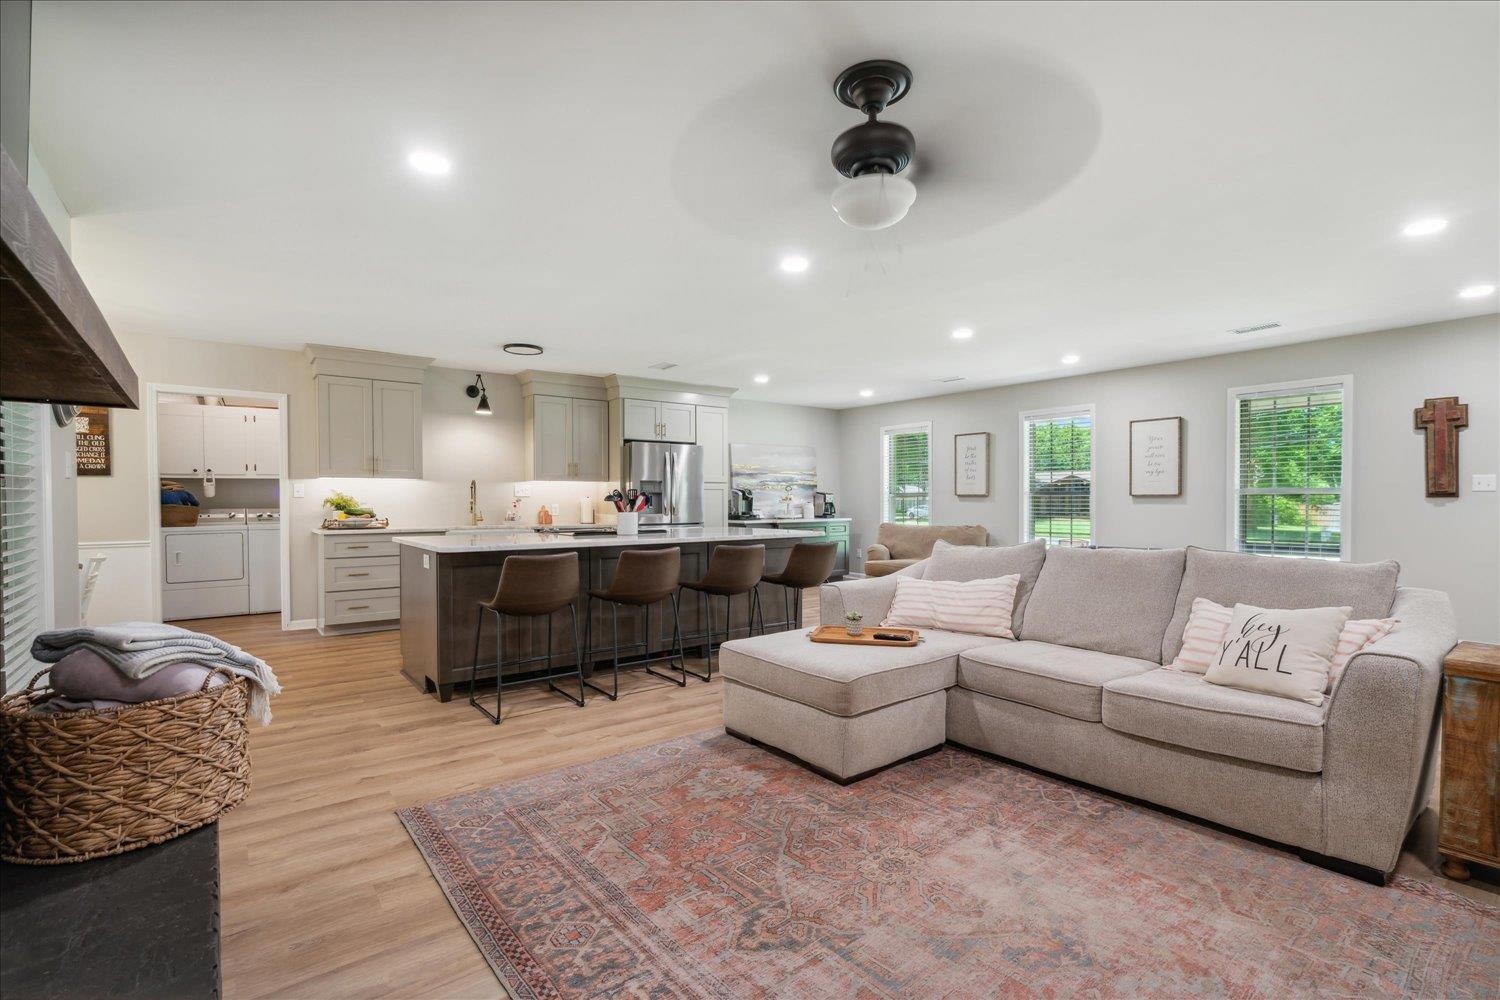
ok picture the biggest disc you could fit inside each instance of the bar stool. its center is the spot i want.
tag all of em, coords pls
(732, 570)
(530, 587)
(643, 577)
(809, 565)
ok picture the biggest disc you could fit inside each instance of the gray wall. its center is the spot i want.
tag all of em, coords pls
(1452, 544)
(774, 423)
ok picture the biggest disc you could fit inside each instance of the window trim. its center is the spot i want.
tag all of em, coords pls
(1346, 469)
(47, 564)
(885, 471)
(1025, 494)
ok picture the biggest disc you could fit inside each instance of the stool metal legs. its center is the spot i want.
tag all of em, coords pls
(501, 684)
(646, 658)
(753, 610)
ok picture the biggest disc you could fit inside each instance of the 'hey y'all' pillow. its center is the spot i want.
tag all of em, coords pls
(1284, 653)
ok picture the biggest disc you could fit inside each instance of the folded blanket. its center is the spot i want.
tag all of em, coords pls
(83, 676)
(140, 649)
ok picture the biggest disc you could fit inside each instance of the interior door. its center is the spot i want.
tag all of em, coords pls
(590, 440)
(346, 426)
(265, 443)
(551, 437)
(226, 441)
(179, 441)
(641, 420)
(398, 429)
(677, 422)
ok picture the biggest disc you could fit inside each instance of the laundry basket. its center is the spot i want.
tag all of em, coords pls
(88, 784)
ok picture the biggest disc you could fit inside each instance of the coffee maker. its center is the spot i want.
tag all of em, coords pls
(823, 504)
(741, 505)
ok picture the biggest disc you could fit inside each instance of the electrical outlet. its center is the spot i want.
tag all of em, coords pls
(426, 560)
(523, 490)
(1483, 484)
(299, 491)
(555, 509)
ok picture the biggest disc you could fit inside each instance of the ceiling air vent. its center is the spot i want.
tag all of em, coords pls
(662, 366)
(951, 378)
(1257, 328)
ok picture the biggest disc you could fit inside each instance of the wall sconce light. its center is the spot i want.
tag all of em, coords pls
(477, 391)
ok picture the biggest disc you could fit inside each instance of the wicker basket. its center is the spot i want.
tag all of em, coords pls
(178, 515)
(87, 784)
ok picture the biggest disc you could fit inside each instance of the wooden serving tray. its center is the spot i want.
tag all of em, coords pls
(840, 634)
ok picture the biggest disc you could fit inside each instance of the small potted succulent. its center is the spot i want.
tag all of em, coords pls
(853, 618)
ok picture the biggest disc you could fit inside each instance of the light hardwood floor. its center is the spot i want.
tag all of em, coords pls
(324, 895)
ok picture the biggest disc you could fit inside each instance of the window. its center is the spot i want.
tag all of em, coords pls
(24, 591)
(906, 473)
(1288, 447)
(1057, 476)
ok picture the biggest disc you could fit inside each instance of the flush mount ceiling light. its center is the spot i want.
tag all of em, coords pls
(762, 379)
(1070, 359)
(429, 162)
(476, 391)
(1425, 227)
(524, 350)
(963, 333)
(873, 154)
(1476, 291)
(794, 264)
(866, 393)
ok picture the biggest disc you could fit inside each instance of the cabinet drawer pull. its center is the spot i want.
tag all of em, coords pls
(358, 574)
(358, 607)
(356, 546)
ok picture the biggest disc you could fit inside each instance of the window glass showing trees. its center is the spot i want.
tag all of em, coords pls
(1289, 468)
(906, 473)
(1058, 473)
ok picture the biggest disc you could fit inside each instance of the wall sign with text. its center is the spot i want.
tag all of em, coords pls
(1156, 457)
(971, 464)
(91, 427)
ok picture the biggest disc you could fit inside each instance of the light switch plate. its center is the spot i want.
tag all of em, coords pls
(555, 509)
(523, 490)
(1483, 484)
(299, 491)
(426, 561)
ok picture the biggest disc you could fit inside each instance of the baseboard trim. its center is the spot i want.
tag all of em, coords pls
(300, 625)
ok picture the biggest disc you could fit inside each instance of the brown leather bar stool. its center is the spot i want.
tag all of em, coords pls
(530, 587)
(732, 570)
(643, 577)
(809, 565)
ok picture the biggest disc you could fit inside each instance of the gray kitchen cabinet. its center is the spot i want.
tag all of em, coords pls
(655, 420)
(369, 428)
(397, 419)
(567, 438)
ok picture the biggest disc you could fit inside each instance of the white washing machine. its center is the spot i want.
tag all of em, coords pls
(206, 567)
(264, 554)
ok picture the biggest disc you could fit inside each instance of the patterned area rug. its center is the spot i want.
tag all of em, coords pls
(707, 867)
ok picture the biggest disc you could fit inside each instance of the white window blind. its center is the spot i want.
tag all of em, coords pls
(1057, 476)
(906, 473)
(23, 537)
(1289, 445)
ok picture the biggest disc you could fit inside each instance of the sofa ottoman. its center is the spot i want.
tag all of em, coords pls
(844, 710)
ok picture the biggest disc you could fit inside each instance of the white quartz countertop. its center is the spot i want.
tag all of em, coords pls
(530, 541)
(381, 531)
(790, 520)
(497, 527)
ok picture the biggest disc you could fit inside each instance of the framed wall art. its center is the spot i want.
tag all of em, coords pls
(1156, 457)
(971, 464)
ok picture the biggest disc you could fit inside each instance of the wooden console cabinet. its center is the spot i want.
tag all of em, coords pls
(1470, 819)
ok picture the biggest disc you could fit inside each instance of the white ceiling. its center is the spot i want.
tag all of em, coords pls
(1123, 181)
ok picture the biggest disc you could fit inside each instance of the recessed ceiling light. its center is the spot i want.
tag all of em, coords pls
(1476, 291)
(794, 264)
(1070, 359)
(1425, 227)
(429, 162)
(762, 379)
(962, 333)
(866, 393)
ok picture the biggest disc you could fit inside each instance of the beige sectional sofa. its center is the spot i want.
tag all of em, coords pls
(1081, 692)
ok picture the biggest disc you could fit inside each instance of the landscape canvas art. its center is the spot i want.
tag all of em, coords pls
(780, 476)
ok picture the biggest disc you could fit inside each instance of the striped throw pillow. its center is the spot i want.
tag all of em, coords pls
(1203, 637)
(1358, 633)
(1208, 623)
(978, 607)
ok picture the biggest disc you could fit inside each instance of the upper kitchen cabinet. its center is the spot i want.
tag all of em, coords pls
(652, 410)
(567, 427)
(713, 435)
(658, 420)
(369, 413)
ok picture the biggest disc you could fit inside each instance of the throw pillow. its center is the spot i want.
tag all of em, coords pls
(1358, 633)
(990, 562)
(1284, 653)
(978, 607)
(1202, 638)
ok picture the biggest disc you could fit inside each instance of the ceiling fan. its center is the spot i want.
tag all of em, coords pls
(873, 154)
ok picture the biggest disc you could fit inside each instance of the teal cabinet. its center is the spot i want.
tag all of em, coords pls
(835, 530)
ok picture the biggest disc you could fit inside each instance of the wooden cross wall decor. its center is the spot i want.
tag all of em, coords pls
(1442, 418)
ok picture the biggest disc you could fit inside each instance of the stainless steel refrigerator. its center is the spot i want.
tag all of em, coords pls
(671, 476)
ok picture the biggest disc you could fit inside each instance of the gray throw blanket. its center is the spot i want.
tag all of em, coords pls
(139, 649)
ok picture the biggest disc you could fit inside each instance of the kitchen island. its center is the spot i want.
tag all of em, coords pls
(444, 577)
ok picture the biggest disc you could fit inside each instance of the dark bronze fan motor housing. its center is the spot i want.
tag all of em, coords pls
(875, 146)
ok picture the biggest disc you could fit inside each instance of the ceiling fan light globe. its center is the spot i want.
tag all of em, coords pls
(873, 201)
